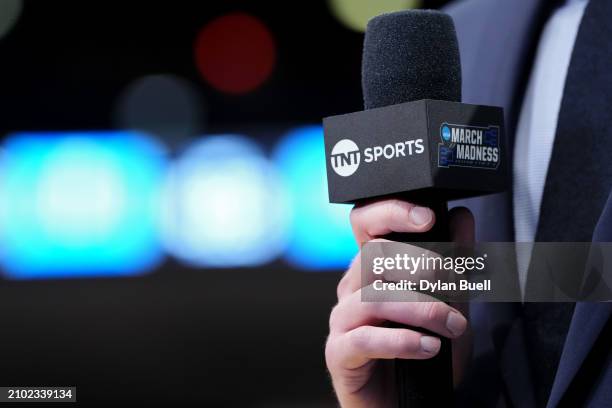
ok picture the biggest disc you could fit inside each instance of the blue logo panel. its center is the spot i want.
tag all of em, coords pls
(469, 146)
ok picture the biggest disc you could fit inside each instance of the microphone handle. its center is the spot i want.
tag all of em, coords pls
(426, 383)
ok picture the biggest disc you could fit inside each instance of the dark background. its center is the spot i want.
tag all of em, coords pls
(248, 337)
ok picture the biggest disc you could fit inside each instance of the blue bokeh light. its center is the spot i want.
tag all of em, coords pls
(321, 237)
(225, 205)
(80, 204)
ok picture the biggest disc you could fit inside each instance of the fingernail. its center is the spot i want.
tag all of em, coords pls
(456, 323)
(429, 344)
(420, 215)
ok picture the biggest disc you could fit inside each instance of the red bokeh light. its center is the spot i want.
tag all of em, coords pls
(235, 53)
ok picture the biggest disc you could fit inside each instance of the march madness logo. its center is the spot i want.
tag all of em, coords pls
(469, 146)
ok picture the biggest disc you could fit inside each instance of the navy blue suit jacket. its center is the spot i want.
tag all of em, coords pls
(497, 39)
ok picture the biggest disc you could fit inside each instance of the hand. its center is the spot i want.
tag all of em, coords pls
(360, 347)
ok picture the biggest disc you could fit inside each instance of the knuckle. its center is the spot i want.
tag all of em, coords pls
(360, 338)
(355, 216)
(430, 312)
(333, 318)
(394, 341)
(400, 208)
(402, 341)
(437, 310)
(392, 209)
(330, 353)
(341, 287)
(372, 309)
(344, 285)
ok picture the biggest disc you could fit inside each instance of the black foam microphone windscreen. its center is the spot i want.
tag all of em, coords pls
(409, 56)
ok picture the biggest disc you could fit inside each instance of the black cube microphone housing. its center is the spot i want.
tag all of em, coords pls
(455, 150)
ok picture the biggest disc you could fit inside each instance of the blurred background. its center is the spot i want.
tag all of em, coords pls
(165, 234)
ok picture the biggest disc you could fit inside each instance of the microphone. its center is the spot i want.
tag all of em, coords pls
(416, 141)
(409, 56)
